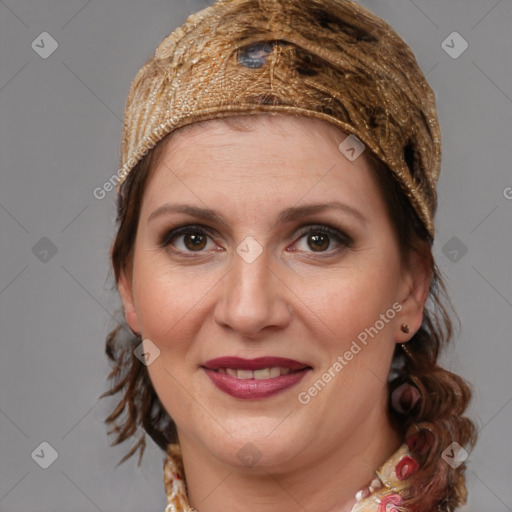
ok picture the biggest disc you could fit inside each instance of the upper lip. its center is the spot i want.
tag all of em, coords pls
(239, 363)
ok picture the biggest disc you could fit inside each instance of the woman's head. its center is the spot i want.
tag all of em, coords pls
(256, 270)
(298, 292)
(335, 302)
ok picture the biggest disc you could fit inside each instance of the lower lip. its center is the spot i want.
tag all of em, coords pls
(254, 389)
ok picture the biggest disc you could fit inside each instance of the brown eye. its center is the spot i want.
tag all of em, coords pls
(185, 239)
(318, 242)
(319, 239)
(193, 241)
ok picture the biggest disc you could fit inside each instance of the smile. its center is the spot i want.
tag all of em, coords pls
(264, 373)
(254, 379)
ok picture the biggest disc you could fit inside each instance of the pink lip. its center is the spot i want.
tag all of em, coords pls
(254, 389)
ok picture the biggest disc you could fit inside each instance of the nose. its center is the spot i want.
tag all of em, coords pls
(252, 298)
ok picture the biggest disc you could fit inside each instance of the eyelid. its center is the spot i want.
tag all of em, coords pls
(324, 227)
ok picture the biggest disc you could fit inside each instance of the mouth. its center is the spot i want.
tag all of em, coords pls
(263, 373)
(254, 378)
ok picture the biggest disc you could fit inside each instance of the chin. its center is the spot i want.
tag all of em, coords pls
(253, 450)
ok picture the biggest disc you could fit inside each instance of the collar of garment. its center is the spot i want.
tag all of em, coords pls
(382, 494)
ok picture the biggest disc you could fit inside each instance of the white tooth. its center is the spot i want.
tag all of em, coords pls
(285, 371)
(245, 374)
(231, 372)
(275, 372)
(264, 373)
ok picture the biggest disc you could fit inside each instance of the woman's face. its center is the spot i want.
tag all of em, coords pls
(288, 252)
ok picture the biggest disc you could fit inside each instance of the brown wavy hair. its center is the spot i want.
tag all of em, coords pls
(444, 395)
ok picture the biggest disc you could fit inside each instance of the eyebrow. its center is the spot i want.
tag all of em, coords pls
(287, 215)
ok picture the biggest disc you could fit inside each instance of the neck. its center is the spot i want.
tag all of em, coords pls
(326, 481)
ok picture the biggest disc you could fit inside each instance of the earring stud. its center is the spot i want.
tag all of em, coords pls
(404, 328)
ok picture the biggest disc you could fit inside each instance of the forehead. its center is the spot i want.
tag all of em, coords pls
(279, 122)
(261, 154)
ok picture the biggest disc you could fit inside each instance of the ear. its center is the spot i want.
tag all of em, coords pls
(125, 290)
(414, 289)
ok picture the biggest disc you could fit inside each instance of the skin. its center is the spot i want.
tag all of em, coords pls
(299, 299)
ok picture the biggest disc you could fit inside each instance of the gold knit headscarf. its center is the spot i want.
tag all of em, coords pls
(329, 59)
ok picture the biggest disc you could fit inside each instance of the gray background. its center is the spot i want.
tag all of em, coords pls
(61, 119)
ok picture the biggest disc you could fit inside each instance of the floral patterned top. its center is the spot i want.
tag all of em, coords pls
(383, 494)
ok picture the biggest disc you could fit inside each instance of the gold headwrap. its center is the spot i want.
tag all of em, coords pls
(328, 59)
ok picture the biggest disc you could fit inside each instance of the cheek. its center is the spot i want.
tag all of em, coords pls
(351, 299)
(347, 323)
(170, 301)
(352, 322)
(168, 304)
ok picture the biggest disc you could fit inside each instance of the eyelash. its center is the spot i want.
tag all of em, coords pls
(343, 239)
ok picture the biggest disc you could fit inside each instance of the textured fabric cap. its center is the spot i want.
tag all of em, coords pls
(329, 59)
